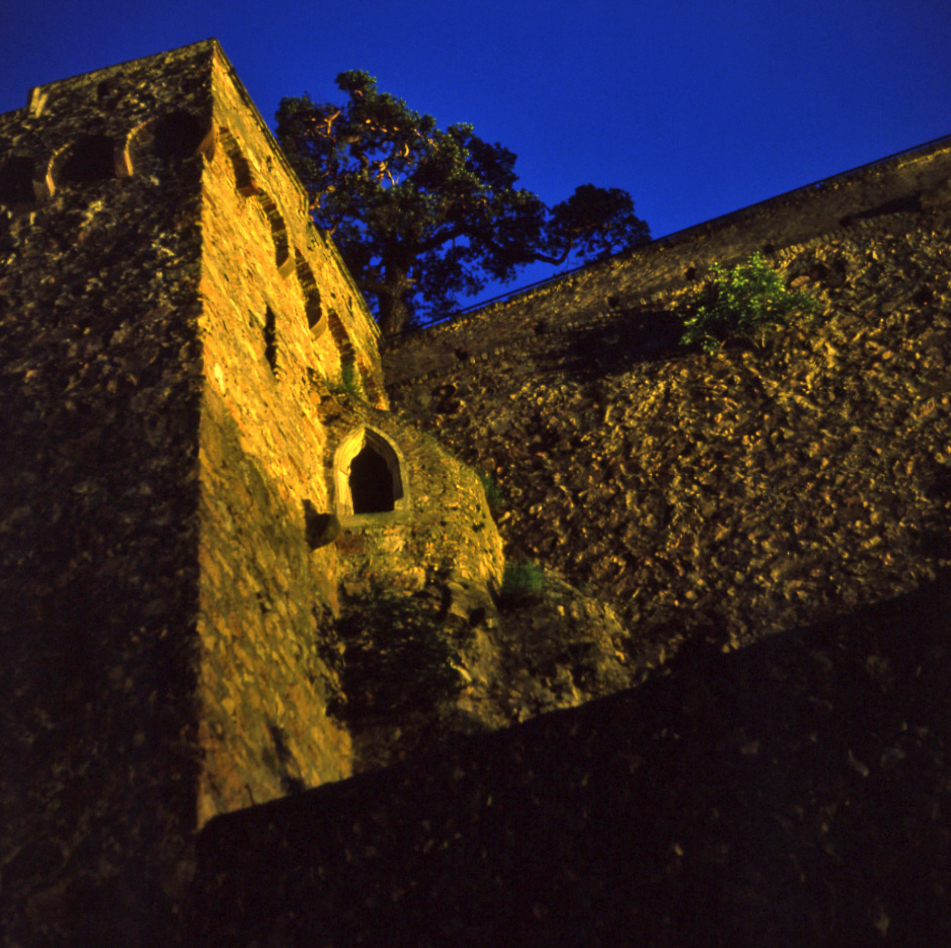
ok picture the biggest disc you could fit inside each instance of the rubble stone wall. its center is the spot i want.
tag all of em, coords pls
(720, 497)
(100, 385)
(271, 284)
(284, 388)
(182, 352)
(793, 793)
(909, 182)
(183, 357)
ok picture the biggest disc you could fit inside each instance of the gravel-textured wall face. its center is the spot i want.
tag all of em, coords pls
(185, 364)
(292, 370)
(442, 554)
(100, 385)
(182, 353)
(730, 496)
(446, 534)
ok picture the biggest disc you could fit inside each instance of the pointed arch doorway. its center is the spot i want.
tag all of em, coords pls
(370, 484)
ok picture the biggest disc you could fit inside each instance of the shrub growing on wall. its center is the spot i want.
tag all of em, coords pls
(522, 582)
(493, 493)
(349, 383)
(747, 301)
(398, 657)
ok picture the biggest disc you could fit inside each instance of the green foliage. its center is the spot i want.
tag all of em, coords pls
(398, 657)
(493, 493)
(748, 301)
(421, 214)
(350, 383)
(522, 581)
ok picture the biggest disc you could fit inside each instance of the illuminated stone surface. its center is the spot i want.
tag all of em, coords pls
(744, 558)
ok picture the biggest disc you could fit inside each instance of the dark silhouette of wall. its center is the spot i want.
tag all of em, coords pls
(790, 794)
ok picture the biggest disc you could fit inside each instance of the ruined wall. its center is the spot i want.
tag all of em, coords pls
(183, 358)
(770, 525)
(446, 535)
(171, 322)
(793, 793)
(292, 371)
(441, 557)
(100, 382)
(717, 498)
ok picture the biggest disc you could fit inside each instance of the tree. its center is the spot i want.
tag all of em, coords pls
(422, 215)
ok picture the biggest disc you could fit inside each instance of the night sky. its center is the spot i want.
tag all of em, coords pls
(695, 107)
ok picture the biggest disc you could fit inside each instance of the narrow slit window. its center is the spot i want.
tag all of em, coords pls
(270, 340)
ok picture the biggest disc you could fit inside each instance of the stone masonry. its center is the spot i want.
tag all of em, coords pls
(720, 498)
(252, 598)
(183, 356)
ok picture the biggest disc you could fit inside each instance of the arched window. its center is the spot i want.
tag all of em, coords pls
(315, 314)
(86, 161)
(172, 137)
(371, 483)
(177, 135)
(282, 254)
(16, 181)
(369, 479)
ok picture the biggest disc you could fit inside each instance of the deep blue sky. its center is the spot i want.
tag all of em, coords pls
(695, 107)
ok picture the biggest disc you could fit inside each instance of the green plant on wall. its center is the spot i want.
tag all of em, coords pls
(747, 301)
(398, 657)
(349, 383)
(522, 582)
(493, 493)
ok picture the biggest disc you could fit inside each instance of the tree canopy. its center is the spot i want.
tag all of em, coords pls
(423, 215)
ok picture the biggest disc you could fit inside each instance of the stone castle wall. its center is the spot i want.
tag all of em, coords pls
(719, 498)
(99, 309)
(791, 793)
(848, 202)
(183, 356)
(771, 526)
(278, 403)
(796, 491)
(186, 369)
(280, 320)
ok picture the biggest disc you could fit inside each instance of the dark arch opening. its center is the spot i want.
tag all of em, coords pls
(177, 135)
(89, 160)
(313, 310)
(312, 307)
(282, 253)
(371, 483)
(16, 181)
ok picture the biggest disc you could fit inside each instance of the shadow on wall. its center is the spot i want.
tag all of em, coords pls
(594, 352)
(789, 794)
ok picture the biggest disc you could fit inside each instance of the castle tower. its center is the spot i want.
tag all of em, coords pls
(169, 322)
(193, 412)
